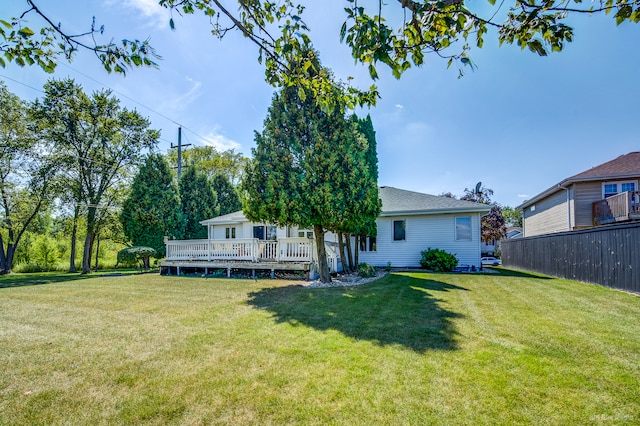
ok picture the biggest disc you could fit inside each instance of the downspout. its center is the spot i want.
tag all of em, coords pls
(568, 205)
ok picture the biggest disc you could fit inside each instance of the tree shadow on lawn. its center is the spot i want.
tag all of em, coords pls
(40, 278)
(395, 310)
(521, 274)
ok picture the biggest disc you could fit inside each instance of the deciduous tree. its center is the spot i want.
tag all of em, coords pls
(228, 197)
(26, 176)
(98, 141)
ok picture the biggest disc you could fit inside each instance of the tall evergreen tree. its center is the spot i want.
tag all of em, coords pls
(152, 209)
(306, 168)
(228, 198)
(198, 201)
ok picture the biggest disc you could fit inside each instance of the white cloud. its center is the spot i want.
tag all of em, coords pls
(399, 106)
(220, 142)
(181, 102)
(157, 15)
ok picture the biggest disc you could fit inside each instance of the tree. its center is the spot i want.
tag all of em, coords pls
(97, 140)
(152, 208)
(399, 34)
(25, 46)
(212, 162)
(228, 198)
(297, 175)
(198, 201)
(492, 225)
(512, 217)
(26, 176)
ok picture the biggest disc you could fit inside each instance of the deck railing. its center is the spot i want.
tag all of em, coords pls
(250, 249)
(617, 208)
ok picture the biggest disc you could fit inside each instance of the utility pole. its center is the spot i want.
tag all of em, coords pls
(179, 146)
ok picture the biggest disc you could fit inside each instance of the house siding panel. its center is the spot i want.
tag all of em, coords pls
(550, 215)
(423, 232)
(586, 194)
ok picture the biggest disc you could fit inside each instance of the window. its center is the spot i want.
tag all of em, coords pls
(367, 243)
(272, 233)
(302, 233)
(372, 243)
(463, 228)
(399, 230)
(612, 188)
(230, 233)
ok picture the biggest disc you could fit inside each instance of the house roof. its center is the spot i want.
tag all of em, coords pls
(396, 202)
(231, 218)
(624, 167)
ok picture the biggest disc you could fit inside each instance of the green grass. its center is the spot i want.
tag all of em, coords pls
(412, 348)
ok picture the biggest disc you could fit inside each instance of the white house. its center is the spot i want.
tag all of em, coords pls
(409, 223)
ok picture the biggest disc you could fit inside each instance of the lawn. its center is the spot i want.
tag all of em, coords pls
(411, 348)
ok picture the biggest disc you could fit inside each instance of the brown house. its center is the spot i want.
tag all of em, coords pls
(604, 194)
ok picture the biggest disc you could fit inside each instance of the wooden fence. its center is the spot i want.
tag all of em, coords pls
(607, 255)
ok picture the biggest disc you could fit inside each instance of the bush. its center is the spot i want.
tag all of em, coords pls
(438, 260)
(366, 271)
(131, 256)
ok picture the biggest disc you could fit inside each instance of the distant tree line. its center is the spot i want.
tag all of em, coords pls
(80, 167)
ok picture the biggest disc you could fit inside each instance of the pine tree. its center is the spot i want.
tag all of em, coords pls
(308, 169)
(228, 198)
(198, 201)
(152, 209)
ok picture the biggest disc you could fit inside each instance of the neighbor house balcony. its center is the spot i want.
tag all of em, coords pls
(621, 207)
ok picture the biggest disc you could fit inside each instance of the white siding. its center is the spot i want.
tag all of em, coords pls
(423, 232)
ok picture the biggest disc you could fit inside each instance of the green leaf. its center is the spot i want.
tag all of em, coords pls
(26, 32)
(5, 23)
(172, 24)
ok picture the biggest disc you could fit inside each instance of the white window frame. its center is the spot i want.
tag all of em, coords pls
(230, 232)
(455, 224)
(618, 184)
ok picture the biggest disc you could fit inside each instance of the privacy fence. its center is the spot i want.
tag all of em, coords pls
(607, 255)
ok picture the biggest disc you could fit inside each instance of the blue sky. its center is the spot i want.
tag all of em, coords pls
(519, 123)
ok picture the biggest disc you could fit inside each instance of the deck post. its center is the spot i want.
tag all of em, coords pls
(228, 272)
(177, 270)
(253, 274)
(273, 274)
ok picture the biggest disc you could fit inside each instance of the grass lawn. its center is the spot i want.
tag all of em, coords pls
(411, 348)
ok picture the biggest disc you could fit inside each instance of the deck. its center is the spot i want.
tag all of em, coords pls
(286, 254)
(621, 207)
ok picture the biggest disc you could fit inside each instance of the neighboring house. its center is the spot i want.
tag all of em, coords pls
(603, 194)
(409, 223)
(513, 232)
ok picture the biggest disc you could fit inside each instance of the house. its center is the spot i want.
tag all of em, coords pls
(604, 194)
(409, 223)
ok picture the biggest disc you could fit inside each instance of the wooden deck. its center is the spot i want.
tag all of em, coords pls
(617, 208)
(286, 254)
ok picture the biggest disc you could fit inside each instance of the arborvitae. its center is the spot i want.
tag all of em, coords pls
(198, 202)
(152, 209)
(228, 198)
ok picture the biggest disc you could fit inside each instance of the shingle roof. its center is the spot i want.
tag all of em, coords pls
(399, 201)
(625, 165)
(235, 217)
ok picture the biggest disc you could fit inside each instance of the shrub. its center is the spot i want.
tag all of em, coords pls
(133, 255)
(438, 260)
(366, 271)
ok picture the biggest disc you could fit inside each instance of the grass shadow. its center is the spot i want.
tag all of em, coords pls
(521, 274)
(41, 278)
(395, 310)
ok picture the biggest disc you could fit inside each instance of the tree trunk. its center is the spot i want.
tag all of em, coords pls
(97, 252)
(74, 232)
(88, 241)
(323, 265)
(145, 263)
(6, 256)
(350, 253)
(356, 256)
(343, 258)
